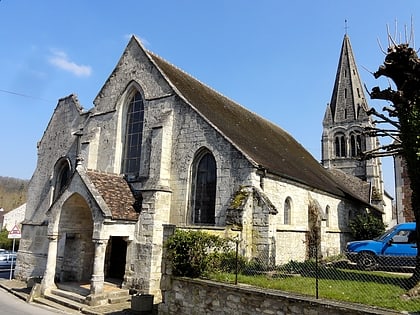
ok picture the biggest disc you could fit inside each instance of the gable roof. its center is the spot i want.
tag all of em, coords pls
(265, 144)
(116, 193)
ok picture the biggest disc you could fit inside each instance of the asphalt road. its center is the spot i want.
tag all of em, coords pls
(12, 305)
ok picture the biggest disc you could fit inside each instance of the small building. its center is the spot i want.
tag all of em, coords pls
(14, 217)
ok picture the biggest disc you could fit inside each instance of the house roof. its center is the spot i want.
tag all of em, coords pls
(264, 143)
(355, 185)
(116, 193)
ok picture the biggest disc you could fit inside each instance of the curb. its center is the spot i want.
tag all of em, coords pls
(10, 290)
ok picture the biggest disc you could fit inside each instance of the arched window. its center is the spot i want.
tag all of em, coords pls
(204, 189)
(327, 216)
(340, 145)
(62, 176)
(133, 135)
(287, 218)
(357, 145)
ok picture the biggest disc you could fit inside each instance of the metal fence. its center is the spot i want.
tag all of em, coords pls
(385, 284)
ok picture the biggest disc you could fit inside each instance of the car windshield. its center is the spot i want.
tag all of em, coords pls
(385, 235)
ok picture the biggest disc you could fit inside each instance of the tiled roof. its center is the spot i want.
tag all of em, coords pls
(354, 185)
(116, 193)
(266, 144)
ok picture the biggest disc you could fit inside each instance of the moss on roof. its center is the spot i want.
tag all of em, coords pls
(266, 144)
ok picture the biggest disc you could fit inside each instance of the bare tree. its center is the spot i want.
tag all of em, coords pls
(402, 66)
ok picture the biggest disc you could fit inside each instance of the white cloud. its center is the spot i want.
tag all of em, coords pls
(60, 60)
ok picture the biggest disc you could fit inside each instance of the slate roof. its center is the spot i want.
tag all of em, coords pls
(263, 142)
(358, 187)
(116, 193)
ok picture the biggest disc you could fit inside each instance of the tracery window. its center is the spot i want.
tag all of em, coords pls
(204, 189)
(133, 135)
(340, 145)
(287, 217)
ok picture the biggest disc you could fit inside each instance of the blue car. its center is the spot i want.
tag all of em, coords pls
(396, 247)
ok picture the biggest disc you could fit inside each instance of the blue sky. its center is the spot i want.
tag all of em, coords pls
(276, 58)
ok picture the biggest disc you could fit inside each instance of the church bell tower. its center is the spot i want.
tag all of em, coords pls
(344, 121)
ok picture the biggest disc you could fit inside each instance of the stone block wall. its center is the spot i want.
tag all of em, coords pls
(196, 297)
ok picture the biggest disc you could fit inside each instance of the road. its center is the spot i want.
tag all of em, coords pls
(12, 305)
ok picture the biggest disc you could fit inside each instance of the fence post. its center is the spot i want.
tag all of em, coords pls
(316, 265)
(236, 261)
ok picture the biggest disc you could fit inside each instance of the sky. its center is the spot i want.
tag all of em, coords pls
(277, 58)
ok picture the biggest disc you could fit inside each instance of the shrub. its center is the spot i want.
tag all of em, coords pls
(366, 227)
(226, 261)
(7, 243)
(193, 253)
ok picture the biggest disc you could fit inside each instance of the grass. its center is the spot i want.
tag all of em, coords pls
(379, 289)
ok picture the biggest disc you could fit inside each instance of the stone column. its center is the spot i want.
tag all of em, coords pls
(49, 274)
(98, 277)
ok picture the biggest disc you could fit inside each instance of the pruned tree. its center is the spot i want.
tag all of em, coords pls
(402, 66)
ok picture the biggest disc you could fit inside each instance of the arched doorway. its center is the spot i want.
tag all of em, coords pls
(76, 250)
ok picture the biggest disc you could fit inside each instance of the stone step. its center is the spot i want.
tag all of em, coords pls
(64, 300)
(119, 299)
(118, 294)
(54, 305)
(74, 287)
(70, 295)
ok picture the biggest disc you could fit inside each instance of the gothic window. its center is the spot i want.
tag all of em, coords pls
(204, 189)
(357, 145)
(287, 218)
(62, 176)
(133, 135)
(340, 145)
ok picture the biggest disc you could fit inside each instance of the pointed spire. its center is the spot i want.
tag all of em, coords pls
(348, 101)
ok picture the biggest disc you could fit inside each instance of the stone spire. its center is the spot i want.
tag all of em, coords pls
(348, 101)
(344, 122)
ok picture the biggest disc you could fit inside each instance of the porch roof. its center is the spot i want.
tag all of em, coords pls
(116, 193)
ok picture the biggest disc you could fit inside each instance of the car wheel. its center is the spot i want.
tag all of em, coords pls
(366, 260)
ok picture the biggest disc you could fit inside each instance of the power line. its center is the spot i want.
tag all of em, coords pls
(24, 95)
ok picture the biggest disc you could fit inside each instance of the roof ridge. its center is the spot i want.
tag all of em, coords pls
(209, 87)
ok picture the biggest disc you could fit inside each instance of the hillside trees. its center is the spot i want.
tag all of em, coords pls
(12, 192)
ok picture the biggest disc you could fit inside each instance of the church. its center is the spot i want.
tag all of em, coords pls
(160, 149)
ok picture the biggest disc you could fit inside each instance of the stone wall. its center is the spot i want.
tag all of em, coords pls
(190, 296)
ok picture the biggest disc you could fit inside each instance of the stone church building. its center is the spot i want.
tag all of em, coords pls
(159, 148)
